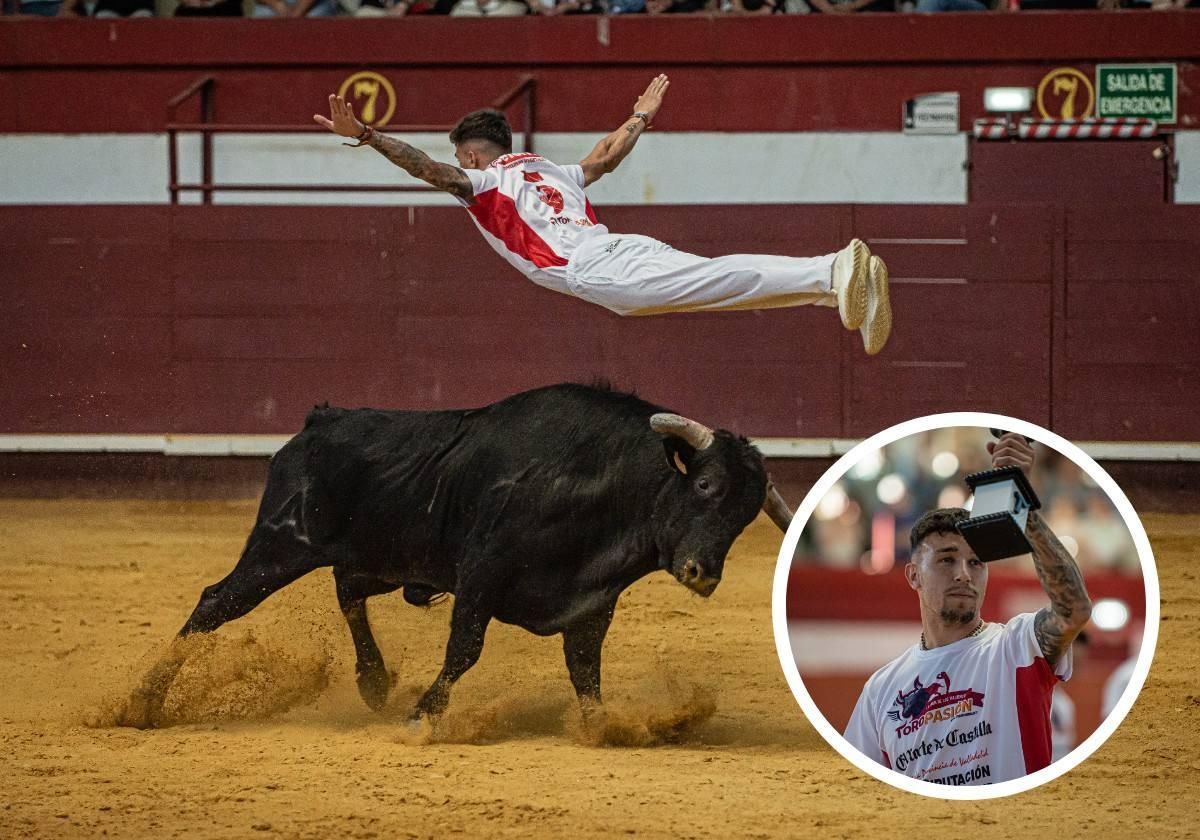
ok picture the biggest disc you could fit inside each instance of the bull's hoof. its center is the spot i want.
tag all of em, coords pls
(590, 708)
(374, 686)
(431, 706)
(417, 731)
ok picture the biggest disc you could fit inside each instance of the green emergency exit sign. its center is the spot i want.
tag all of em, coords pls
(1137, 90)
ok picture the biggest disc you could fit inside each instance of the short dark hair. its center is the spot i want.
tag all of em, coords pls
(940, 521)
(489, 124)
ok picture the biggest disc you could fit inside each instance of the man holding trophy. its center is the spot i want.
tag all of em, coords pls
(970, 703)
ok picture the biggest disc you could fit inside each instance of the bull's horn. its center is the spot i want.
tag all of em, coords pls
(697, 434)
(776, 508)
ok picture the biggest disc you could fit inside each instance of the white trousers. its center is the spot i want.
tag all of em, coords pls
(637, 275)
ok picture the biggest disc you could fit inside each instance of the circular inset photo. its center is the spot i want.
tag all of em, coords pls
(966, 606)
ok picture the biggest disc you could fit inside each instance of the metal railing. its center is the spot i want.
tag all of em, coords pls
(204, 87)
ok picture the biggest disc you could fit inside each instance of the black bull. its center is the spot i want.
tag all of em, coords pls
(538, 511)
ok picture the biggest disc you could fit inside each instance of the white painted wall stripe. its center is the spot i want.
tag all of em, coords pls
(208, 445)
(667, 168)
(83, 443)
(804, 447)
(828, 648)
(885, 241)
(1187, 156)
(262, 445)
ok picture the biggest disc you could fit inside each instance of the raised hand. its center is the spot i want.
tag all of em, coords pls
(650, 101)
(343, 121)
(1011, 450)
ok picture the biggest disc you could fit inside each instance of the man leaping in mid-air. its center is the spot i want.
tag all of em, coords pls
(535, 214)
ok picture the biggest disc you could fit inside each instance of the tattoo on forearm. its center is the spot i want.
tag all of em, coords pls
(420, 165)
(612, 149)
(622, 146)
(1057, 626)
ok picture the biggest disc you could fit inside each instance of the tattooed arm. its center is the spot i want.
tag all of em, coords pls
(453, 180)
(419, 165)
(1057, 625)
(611, 150)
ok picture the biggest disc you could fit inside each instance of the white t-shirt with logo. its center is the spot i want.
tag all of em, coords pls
(534, 213)
(969, 713)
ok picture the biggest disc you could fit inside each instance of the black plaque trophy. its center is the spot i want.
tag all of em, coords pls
(1003, 500)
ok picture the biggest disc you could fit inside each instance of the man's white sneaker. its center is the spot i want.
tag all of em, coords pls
(850, 278)
(877, 326)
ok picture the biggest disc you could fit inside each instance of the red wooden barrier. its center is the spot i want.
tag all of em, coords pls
(818, 593)
(237, 319)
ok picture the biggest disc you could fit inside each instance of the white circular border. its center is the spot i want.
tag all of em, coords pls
(787, 659)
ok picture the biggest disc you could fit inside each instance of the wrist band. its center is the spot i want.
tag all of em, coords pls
(644, 117)
(363, 139)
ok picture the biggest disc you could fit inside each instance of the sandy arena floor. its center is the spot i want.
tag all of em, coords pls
(90, 591)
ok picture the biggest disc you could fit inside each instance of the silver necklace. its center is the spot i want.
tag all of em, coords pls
(973, 633)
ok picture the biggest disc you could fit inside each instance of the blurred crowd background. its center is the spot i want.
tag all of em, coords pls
(510, 8)
(863, 522)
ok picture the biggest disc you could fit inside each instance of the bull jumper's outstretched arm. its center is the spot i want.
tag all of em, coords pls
(611, 150)
(341, 120)
(1057, 625)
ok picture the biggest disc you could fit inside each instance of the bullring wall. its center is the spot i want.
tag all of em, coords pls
(237, 319)
(126, 318)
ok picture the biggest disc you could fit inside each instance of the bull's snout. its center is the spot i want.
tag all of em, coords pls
(694, 578)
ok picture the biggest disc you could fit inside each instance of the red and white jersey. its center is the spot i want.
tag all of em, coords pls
(534, 213)
(969, 713)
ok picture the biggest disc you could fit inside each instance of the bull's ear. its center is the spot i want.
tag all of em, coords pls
(679, 454)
